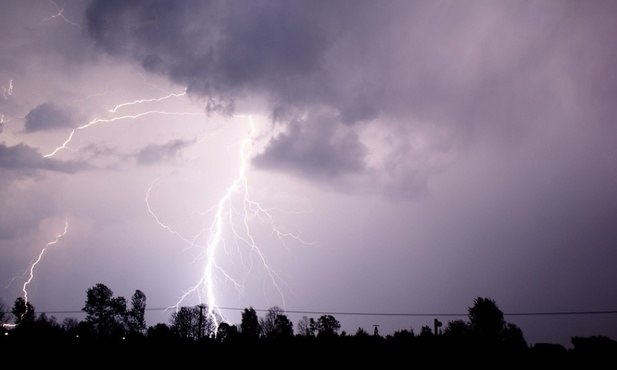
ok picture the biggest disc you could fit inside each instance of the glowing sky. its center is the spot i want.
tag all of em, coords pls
(407, 156)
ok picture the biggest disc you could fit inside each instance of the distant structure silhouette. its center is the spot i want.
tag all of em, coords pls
(437, 324)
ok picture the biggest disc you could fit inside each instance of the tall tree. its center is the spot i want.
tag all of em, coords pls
(193, 322)
(105, 314)
(486, 320)
(249, 325)
(283, 327)
(23, 311)
(184, 323)
(136, 317)
(306, 327)
(276, 324)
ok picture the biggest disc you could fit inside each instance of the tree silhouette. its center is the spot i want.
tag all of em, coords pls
(306, 327)
(249, 326)
(486, 320)
(192, 322)
(135, 318)
(105, 314)
(327, 326)
(458, 329)
(267, 322)
(402, 338)
(276, 324)
(70, 325)
(283, 327)
(23, 311)
(184, 323)
(426, 332)
(226, 333)
(160, 333)
(485, 339)
(490, 333)
(596, 351)
(512, 337)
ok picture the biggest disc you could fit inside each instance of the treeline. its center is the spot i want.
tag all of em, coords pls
(114, 328)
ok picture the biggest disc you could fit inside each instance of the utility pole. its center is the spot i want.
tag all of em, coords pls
(437, 324)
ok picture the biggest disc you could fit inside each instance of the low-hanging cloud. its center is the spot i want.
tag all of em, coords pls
(23, 158)
(313, 149)
(49, 116)
(155, 153)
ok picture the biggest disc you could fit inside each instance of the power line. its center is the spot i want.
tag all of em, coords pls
(342, 313)
(347, 313)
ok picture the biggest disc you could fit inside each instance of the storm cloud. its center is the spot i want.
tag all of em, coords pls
(465, 68)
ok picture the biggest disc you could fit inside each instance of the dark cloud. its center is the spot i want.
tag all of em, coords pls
(49, 116)
(216, 48)
(154, 153)
(313, 147)
(23, 158)
(475, 68)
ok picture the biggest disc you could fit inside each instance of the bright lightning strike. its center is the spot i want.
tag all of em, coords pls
(235, 219)
(124, 117)
(139, 101)
(36, 262)
(229, 216)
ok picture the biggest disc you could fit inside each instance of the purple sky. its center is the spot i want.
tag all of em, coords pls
(401, 157)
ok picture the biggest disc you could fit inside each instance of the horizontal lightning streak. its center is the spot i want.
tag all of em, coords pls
(139, 101)
(124, 117)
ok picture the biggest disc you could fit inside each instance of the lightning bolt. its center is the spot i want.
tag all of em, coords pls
(229, 216)
(2, 122)
(235, 219)
(215, 240)
(7, 90)
(60, 14)
(97, 121)
(36, 262)
(140, 101)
